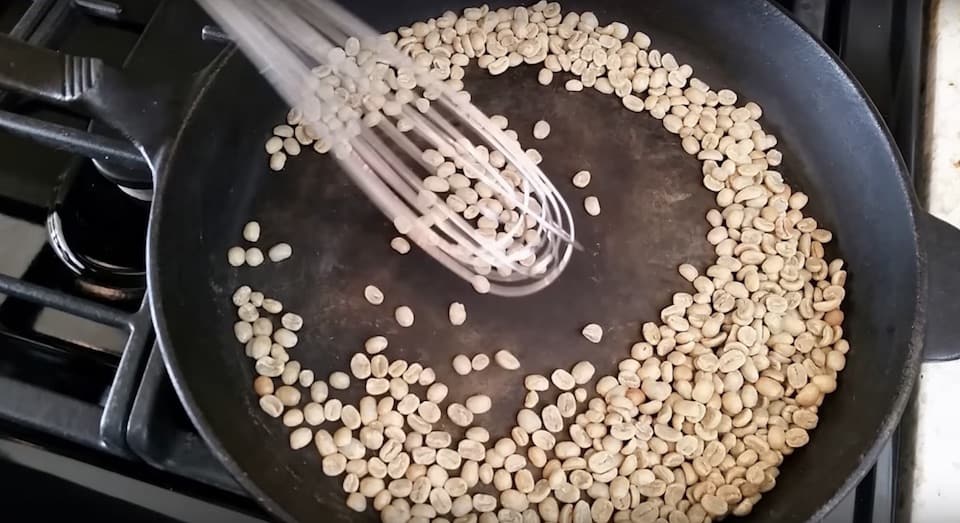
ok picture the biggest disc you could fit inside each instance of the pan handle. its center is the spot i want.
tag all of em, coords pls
(140, 111)
(942, 243)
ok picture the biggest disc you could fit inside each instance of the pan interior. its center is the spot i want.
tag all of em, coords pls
(653, 207)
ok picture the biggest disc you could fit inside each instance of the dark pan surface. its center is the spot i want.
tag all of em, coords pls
(653, 219)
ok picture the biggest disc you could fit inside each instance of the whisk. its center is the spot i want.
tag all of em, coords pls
(420, 150)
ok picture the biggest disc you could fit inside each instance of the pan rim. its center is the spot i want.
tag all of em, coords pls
(161, 328)
(884, 430)
(914, 348)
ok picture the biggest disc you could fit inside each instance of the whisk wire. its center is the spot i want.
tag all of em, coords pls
(352, 89)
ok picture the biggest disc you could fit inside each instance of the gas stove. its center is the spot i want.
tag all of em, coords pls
(86, 409)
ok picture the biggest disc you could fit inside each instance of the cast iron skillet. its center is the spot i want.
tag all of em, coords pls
(204, 143)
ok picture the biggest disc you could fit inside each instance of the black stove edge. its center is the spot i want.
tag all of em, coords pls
(67, 474)
(892, 75)
(905, 466)
(875, 495)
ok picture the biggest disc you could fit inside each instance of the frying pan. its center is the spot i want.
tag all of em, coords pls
(204, 142)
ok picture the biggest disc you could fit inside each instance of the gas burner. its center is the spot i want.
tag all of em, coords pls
(99, 232)
(122, 176)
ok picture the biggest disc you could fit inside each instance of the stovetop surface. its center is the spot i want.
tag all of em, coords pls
(85, 399)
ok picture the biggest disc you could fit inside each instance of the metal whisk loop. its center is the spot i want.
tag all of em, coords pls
(356, 93)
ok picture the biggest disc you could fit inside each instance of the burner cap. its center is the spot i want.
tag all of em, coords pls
(99, 232)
